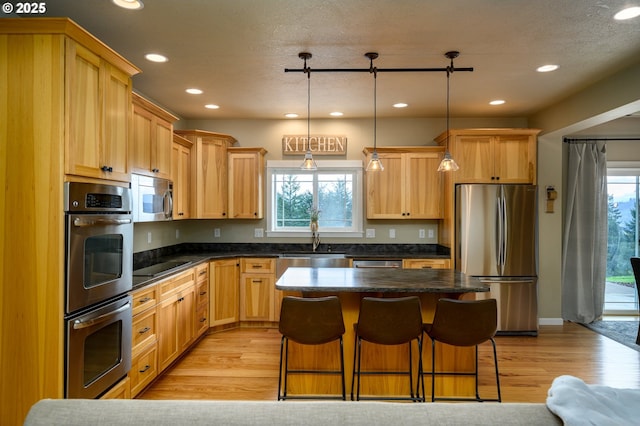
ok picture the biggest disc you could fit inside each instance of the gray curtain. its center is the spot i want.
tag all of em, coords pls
(584, 259)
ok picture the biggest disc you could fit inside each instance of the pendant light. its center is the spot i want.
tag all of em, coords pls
(308, 163)
(448, 164)
(374, 164)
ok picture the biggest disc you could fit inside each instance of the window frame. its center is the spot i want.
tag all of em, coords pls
(339, 166)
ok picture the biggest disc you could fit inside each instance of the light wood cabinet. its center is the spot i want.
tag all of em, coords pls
(246, 183)
(150, 147)
(257, 289)
(201, 324)
(40, 138)
(144, 335)
(409, 187)
(493, 155)
(122, 390)
(224, 292)
(98, 115)
(181, 176)
(426, 263)
(176, 316)
(211, 172)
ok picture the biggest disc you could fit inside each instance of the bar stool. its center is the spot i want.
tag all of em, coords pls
(388, 321)
(309, 321)
(463, 323)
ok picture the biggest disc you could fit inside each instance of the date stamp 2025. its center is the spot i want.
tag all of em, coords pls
(24, 8)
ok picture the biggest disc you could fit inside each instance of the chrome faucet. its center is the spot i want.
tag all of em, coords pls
(315, 240)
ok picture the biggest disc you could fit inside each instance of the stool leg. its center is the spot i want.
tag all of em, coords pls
(280, 371)
(495, 360)
(353, 373)
(433, 370)
(344, 391)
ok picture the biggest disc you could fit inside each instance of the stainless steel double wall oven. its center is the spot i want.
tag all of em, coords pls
(98, 276)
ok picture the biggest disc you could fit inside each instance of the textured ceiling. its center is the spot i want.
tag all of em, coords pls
(236, 52)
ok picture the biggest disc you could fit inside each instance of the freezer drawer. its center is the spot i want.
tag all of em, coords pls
(517, 304)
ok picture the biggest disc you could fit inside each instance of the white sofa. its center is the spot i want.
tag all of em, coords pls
(70, 412)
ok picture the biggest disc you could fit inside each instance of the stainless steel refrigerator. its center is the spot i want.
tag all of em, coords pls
(496, 242)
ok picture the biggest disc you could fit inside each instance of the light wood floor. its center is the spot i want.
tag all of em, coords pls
(242, 364)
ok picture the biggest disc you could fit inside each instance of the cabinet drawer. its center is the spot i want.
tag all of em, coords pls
(202, 293)
(144, 298)
(144, 369)
(258, 265)
(426, 264)
(202, 319)
(202, 273)
(176, 283)
(144, 330)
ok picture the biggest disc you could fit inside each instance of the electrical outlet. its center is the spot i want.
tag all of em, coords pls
(371, 233)
(421, 233)
(258, 233)
(392, 233)
(177, 234)
(216, 233)
(430, 233)
(148, 237)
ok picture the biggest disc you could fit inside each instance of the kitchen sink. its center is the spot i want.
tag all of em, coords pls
(310, 260)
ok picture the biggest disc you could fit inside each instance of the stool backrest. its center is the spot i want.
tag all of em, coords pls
(311, 320)
(464, 322)
(389, 321)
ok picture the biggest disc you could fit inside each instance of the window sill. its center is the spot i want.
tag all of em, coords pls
(307, 234)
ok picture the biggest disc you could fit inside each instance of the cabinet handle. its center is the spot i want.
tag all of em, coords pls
(181, 299)
(203, 272)
(256, 281)
(106, 169)
(202, 293)
(426, 267)
(203, 319)
(155, 170)
(256, 266)
(144, 300)
(146, 367)
(144, 330)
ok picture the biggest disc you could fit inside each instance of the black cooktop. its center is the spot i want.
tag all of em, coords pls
(159, 268)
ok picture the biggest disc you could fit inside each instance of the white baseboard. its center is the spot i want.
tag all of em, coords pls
(550, 321)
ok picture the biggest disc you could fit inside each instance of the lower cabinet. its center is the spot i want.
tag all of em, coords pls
(257, 289)
(176, 316)
(122, 390)
(144, 336)
(202, 300)
(223, 292)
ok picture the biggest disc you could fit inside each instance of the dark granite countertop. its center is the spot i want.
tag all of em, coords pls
(378, 281)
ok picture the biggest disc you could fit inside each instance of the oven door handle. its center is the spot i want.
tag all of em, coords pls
(82, 222)
(79, 324)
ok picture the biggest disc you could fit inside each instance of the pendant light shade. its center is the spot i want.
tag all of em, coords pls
(448, 164)
(308, 163)
(375, 165)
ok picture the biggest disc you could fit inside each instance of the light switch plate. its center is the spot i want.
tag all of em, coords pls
(371, 233)
(421, 233)
(216, 232)
(392, 233)
(258, 233)
(430, 233)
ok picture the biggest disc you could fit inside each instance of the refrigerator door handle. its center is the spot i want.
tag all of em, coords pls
(505, 233)
(499, 233)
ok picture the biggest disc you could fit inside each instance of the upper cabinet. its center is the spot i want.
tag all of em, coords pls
(409, 187)
(98, 100)
(493, 155)
(210, 171)
(150, 147)
(181, 159)
(246, 183)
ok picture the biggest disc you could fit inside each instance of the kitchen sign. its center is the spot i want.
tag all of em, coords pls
(318, 144)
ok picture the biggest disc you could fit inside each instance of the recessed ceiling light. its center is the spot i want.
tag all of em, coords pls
(156, 57)
(497, 102)
(400, 105)
(336, 114)
(628, 13)
(211, 106)
(291, 115)
(547, 68)
(129, 4)
(194, 91)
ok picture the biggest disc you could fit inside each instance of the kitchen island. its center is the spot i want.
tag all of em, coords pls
(351, 285)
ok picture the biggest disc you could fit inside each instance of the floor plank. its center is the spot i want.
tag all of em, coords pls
(242, 364)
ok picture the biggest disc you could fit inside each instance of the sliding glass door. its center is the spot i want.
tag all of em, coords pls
(623, 188)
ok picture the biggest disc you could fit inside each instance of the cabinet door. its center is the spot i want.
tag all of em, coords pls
(423, 186)
(181, 176)
(475, 156)
(186, 318)
(256, 297)
(168, 348)
(161, 149)
(246, 179)
(116, 124)
(224, 292)
(515, 158)
(426, 264)
(140, 149)
(211, 180)
(385, 191)
(85, 109)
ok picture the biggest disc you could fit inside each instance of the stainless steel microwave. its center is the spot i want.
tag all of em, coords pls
(152, 198)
